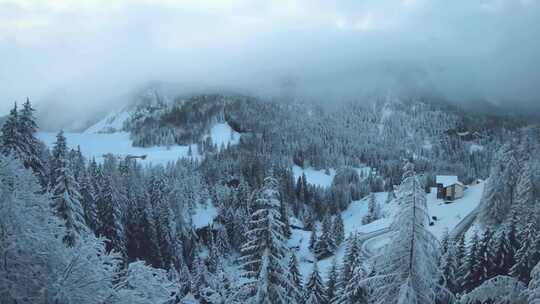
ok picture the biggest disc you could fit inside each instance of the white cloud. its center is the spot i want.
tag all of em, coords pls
(97, 49)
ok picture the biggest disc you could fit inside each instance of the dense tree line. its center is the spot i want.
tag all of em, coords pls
(76, 230)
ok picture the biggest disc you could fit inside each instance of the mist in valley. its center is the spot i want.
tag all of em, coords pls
(79, 59)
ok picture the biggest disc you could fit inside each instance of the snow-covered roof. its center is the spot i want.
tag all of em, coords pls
(447, 180)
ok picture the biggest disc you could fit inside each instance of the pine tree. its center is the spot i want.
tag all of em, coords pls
(162, 221)
(526, 254)
(30, 144)
(350, 261)
(449, 269)
(499, 192)
(469, 277)
(108, 218)
(12, 141)
(524, 194)
(504, 250)
(445, 242)
(408, 271)
(313, 237)
(355, 291)
(374, 210)
(295, 288)
(66, 197)
(314, 289)
(265, 249)
(284, 215)
(485, 258)
(88, 201)
(332, 282)
(338, 229)
(325, 245)
(534, 286)
(222, 241)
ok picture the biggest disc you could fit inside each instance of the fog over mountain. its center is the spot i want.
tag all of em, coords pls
(87, 56)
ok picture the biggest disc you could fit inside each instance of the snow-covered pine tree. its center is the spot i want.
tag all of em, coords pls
(534, 286)
(332, 282)
(498, 290)
(37, 267)
(313, 237)
(162, 221)
(484, 259)
(325, 245)
(222, 240)
(374, 210)
(31, 145)
(354, 291)
(88, 201)
(525, 199)
(469, 276)
(12, 141)
(449, 266)
(109, 226)
(527, 255)
(284, 215)
(499, 191)
(295, 290)
(338, 229)
(350, 261)
(504, 249)
(407, 272)
(265, 249)
(315, 292)
(66, 197)
(445, 242)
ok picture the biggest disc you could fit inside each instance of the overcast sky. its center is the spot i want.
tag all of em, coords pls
(84, 53)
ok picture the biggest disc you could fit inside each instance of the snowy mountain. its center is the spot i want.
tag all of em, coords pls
(218, 193)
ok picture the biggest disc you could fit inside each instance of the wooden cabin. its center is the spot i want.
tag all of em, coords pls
(449, 187)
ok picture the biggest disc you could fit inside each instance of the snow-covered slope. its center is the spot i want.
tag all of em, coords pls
(448, 217)
(352, 220)
(96, 145)
(114, 122)
(223, 134)
(320, 177)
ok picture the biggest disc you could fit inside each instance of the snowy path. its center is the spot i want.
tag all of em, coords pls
(463, 226)
(457, 218)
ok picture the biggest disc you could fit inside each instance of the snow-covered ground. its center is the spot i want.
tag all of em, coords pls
(320, 177)
(352, 220)
(223, 134)
(450, 215)
(204, 215)
(95, 145)
(113, 122)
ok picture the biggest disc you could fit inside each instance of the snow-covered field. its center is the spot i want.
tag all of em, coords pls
(320, 178)
(95, 145)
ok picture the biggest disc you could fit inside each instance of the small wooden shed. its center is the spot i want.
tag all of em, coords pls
(449, 187)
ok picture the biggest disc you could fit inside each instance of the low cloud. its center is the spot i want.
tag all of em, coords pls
(85, 56)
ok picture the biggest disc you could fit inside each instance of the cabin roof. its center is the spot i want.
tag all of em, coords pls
(447, 180)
